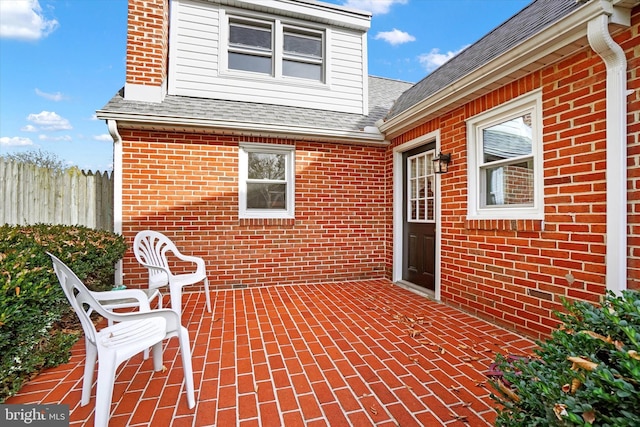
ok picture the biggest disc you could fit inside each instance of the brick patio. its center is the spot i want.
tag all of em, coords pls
(358, 353)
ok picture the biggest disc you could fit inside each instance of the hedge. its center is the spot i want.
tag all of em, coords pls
(31, 300)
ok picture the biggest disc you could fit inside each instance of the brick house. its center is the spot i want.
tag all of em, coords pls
(250, 133)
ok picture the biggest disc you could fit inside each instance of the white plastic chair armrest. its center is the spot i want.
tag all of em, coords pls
(171, 317)
(190, 258)
(137, 294)
(157, 267)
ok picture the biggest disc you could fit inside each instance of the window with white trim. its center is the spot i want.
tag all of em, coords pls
(275, 49)
(505, 161)
(266, 181)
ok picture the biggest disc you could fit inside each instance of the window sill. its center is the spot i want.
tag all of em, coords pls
(268, 222)
(504, 224)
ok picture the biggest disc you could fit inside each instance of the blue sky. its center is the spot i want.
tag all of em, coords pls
(61, 60)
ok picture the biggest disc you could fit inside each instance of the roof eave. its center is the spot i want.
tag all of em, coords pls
(565, 36)
(369, 136)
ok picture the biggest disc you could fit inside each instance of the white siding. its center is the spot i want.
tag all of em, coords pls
(196, 68)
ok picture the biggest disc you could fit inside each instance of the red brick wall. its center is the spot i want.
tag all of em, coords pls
(186, 185)
(631, 46)
(515, 272)
(147, 42)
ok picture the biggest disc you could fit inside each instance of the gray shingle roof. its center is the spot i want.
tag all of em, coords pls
(528, 22)
(382, 93)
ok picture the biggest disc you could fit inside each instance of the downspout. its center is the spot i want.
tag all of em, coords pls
(616, 149)
(112, 125)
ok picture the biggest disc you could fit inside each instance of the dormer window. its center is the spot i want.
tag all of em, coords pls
(302, 55)
(276, 49)
(250, 46)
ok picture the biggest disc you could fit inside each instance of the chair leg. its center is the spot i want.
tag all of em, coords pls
(176, 299)
(89, 367)
(157, 356)
(106, 377)
(185, 351)
(206, 290)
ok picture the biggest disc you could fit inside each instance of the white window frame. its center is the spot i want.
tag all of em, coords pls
(278, 56)
(243, 169)
(525, 104)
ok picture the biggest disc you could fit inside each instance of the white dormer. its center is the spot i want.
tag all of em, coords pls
(297, 53)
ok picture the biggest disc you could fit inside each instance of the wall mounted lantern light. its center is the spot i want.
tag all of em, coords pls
(441, 163)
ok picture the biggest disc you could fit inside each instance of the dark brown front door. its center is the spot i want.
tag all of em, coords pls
(419, 226)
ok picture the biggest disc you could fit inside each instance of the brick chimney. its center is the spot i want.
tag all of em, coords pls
(147, 50)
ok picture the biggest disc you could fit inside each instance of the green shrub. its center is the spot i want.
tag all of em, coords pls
(31, 300)
(587, 373)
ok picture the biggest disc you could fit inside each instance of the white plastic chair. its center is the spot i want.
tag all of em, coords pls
(130, 334)
(151, 249)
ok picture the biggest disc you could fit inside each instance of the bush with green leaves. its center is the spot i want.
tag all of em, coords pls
(32, 302)
(587, 373)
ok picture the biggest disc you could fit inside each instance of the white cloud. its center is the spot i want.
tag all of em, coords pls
(24, 20)
(376, 7)
(48, 120)
(65, 138)
(395, 37)
(104, 137)
(432, 60)
(15, 141)
(29, 128)
(58, 96)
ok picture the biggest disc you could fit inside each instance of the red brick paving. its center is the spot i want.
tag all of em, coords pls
(339, 354)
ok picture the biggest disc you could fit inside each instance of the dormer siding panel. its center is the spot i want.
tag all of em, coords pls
(198, 64)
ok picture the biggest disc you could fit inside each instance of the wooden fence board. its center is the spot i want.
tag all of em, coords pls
(32, 195)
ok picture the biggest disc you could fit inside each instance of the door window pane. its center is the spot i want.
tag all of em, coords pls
(421, 188)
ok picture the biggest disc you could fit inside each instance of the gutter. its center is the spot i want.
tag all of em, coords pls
(370, 135)
(112, 125)
(614, 58)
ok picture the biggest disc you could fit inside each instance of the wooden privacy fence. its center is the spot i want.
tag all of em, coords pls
(32, 195)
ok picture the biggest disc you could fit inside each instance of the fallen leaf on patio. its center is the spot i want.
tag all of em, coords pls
(413, 333)
(462, 418)
(469, 359)
(442, 350)
(466, 404)
(163, 369)
(589, 417)
(481, 383)
(463, 347)
(579, 362)
(560, 410)
(373, 410)
(255, 389)
(415, 360)
(366, 328)
(456, 388)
